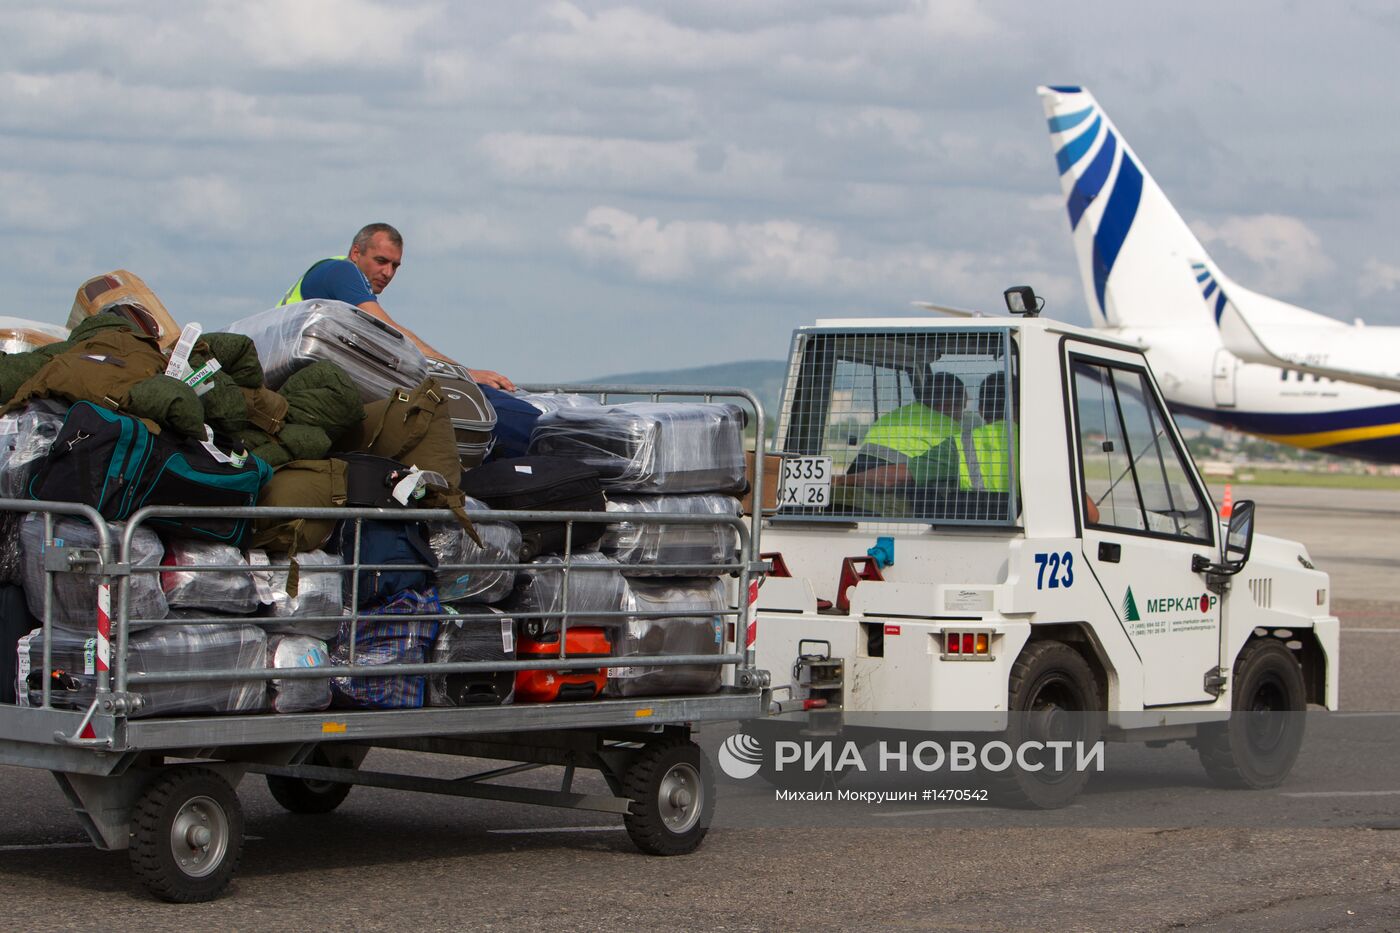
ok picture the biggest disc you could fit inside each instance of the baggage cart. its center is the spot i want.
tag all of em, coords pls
(163, 787)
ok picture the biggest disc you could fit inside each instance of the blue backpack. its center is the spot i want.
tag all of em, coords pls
(388, 542)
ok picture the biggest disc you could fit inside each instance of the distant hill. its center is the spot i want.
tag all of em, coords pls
(762, 377)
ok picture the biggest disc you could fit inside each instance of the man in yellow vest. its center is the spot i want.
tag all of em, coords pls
(920, 443)
(358, 277)
(993, 445)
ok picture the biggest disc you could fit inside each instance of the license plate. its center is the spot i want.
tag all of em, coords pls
(806, 483)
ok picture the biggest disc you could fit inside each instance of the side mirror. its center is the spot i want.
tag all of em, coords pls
(1240, 537)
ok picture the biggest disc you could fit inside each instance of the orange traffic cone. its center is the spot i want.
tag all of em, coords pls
(1227, 504)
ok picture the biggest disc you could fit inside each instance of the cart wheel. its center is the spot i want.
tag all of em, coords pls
(308, 797)
(1053, 695)
(1257, 747)
(186, 835)
(673, 798)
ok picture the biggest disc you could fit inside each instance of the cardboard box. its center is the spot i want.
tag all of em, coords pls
(772, 478)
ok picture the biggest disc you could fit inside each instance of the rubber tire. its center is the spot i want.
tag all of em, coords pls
(152, 858)
(308, 798)
(642, 785)
(1055, 667)
(1268, 677)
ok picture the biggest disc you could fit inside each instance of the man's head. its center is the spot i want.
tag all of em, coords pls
(991, 402)
(377, 251)
(945, 394)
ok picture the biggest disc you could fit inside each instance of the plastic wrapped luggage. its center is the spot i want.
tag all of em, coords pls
(75, 594)
(592, 589)
(474, 639)
(702, 634)
(644, 544)
(580, 683)
(298, 696)
(651, 447)
(318, 593)
(547, 484)
(500, 544)
(25, 438)
(377, 357)
(229, 591)
(382, 639)
(20, 336)
(122, 292)
(167, 649)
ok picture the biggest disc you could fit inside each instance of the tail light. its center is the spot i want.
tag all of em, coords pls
(967, 645)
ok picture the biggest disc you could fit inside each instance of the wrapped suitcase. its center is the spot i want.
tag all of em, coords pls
(318, 592)
(655, 447)
(20, 336)
(15, 623)
(186, 585)
(647, 544)
(473, 639)
(464, 583)
(382, 639)
(122, 292)
(548, 484)
(473, 416)
(167, 649)
(25, 438)
(702, 634)
(298, 696)
(377, 357)
(582, 683)
(594, 587)
(75, 594)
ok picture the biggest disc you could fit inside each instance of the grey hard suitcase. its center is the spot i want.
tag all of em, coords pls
(473, 416)
(377, 357)
(698, 634)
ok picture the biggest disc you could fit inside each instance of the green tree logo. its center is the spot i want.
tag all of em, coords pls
(1130, 609)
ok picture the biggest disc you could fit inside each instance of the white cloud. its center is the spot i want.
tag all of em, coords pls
(1377, 277)
(446, 233)
(307, 34)
(550, 159)
(1285, 250)
(785, 255)
(205, 205)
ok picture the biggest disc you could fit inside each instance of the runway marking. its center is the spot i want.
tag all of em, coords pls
(557, 829)
(1371, 631)
(1343, 793)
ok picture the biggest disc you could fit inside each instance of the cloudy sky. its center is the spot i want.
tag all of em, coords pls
(590, 187)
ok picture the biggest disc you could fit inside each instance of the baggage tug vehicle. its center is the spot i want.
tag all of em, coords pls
(942, 546)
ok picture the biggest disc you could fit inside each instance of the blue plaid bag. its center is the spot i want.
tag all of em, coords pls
(382, 639)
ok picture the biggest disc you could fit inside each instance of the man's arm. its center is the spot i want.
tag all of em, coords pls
(482, 376)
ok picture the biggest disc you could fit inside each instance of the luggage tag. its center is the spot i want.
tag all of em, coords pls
(414, 484)
(179, 365)
(235, 460)
(24, 667)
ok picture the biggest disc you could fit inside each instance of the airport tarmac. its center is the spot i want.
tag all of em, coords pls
(398, 861)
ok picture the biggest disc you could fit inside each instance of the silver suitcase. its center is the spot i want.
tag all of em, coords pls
(377, 357)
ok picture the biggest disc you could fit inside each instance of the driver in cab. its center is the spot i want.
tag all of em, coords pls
(920, 443)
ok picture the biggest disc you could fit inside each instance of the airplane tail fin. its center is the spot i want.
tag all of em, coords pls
(1135, 252)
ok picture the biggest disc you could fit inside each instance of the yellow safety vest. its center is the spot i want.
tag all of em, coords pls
(994, 455)
(293, 295)
(914, 431)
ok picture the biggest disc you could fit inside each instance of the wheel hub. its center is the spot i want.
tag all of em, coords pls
(199, 836)
(678, 798)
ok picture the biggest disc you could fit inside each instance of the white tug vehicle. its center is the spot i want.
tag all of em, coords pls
(1047, 559)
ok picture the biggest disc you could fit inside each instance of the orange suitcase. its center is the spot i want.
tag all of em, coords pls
(570, 684)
